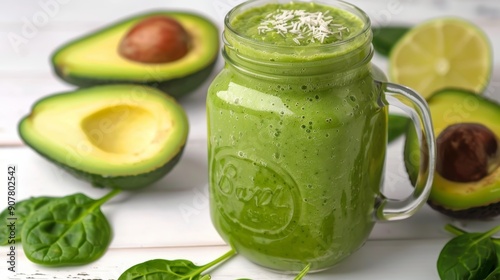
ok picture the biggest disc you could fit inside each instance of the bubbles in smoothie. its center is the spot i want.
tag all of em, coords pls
(241, 154)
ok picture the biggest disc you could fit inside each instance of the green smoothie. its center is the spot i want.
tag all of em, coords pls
(296, 31)
(298, 24)
(296, 148)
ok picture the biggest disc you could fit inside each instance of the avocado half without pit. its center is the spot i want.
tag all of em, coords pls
(114, 136)
(467, 179)
(172, 51)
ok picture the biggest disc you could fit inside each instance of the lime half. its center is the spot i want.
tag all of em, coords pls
(442, 53)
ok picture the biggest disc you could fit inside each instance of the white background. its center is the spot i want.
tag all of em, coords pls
(170, 219)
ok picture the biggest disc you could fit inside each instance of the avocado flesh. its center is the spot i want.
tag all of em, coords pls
(449, 107)
(94, 59)
(118, 136)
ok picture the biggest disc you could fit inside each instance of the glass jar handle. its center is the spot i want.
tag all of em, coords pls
(416, 107)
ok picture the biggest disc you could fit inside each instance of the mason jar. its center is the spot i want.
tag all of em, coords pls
(297, 139)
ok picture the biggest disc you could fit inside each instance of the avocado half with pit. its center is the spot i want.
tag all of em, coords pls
(114, 136)
(467, 178)
(95, 59)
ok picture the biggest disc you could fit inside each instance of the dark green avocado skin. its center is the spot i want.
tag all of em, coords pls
(131, 182)
(175, 87)
(475, 213)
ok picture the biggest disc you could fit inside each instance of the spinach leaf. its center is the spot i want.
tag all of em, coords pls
(21, 211)
(494, 275)
(385, 37)
(68, 230)
(468, 256)
(397, 126)
(455, 230)
(303, 272)
(160, 269)
(497, 248)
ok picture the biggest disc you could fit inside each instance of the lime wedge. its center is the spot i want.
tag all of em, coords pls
(442, 53)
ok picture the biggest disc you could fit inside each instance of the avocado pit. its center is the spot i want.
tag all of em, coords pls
(466, 152)
(157, 39)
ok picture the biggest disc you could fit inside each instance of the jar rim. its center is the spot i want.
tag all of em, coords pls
(356, 11)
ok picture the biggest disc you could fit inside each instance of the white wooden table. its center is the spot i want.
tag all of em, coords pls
(171, 219)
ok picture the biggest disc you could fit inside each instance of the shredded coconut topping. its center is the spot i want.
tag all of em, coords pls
(302, 26)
